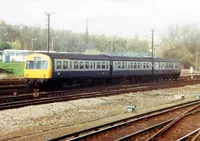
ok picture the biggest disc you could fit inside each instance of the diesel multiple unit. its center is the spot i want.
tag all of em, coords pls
(64, 68)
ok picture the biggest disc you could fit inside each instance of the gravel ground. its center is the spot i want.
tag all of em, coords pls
(4, 76)
(46, 121)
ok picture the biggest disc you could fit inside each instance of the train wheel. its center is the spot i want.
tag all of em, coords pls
(109, 81)
(130, 79)
(29, 86)
(35, 93)
(36, 89)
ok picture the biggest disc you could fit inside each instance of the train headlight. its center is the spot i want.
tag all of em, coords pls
(26, 74)
(44, 75)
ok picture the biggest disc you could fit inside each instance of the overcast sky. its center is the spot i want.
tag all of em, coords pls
(109, 17)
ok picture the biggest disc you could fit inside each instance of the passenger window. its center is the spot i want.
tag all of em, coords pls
(139, 65)
(106, 65)
(98, 65)
(147, 65)
(135, 65)
(81, 65)
(163, 65)
(131, 65)
(119, 65)
(65, 64)
(75, 64)
(103, 65)
(157, 65)
(58, 64)
(123, 65)
(86, 65)
(91, 65)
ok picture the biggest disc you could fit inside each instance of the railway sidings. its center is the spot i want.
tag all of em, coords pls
(16, 101)
(43, 122)
(12, 87)
(171, 123)
(134, 93)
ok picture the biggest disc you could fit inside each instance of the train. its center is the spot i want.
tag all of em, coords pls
(64, 69)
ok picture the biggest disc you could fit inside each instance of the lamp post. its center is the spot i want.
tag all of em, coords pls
(32, 45)
(152, 55)
(197, 53)
(48, 14)
(53, 42)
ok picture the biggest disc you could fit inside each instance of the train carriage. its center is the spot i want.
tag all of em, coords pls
(166, 68)
(64, 67)
(76, 66)
(131, 66)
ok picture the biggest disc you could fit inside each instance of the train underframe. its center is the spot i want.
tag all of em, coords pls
(37, 84)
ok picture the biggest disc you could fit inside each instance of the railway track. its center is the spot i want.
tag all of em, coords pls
(18, 86)
(7, 102)
(180, 122)
(11, 81)
(12, 87)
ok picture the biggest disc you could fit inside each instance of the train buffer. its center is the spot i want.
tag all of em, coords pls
(130, 108)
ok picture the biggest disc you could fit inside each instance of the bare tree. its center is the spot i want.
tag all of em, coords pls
(182, 42)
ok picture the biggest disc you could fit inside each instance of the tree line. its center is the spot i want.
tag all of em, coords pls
(20, 37)
(179, 42)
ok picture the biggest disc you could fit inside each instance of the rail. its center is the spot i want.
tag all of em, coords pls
(134, 128)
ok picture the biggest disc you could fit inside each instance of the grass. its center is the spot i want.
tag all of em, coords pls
(18, 68)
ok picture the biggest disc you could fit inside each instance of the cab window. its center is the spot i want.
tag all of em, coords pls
(36, 65)
(44, 65)
(29, 64)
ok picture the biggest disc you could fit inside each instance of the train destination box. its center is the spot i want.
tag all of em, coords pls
(130, 108)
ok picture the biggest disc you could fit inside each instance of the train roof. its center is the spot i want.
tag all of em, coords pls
(75, 56)
(103, 57)
(165, 60)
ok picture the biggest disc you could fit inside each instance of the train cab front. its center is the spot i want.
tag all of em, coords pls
(38, 69)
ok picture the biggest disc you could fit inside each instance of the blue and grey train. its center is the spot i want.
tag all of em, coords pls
(66, 68)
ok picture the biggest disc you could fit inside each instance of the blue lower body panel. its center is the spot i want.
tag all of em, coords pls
(132, 73)
(80, 74)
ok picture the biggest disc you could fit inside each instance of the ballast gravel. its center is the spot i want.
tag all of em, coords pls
(43, 122)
